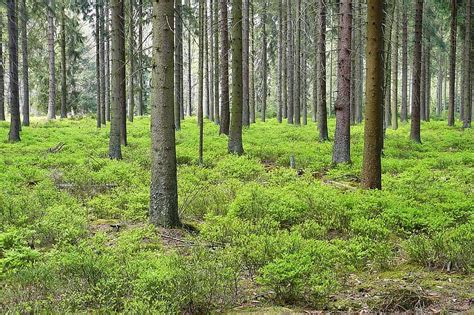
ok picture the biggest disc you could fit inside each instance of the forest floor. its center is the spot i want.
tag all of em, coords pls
(267, 238)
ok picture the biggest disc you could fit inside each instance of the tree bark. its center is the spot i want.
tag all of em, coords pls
(290, 66)
(235, 137)
(190, 90)
(210, 35)
(201, 80)
(118, 78)
(52, 74)
(164, 184)
(394, 76)
(452, 66)
(280, 61)
(215, 10)
(415, 115)
(428, 80)
(97, 65)
(207, 104)
(297, 65)
(2, 73)
(14, 133)
(224, 71)
(467, 67)
(107, 61)
(131, 56)
(359, 65)
(264, 61)
(24, 54)
(141, 102)
(404, 104)
(373, 129)
(178, 63)
(252, 67)
(314, 110)
(102, 63)
(342, 137)
(322, 109)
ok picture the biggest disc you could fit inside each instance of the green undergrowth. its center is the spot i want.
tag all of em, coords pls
(74, 233)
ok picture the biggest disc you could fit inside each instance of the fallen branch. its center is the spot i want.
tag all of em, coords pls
(57, 148)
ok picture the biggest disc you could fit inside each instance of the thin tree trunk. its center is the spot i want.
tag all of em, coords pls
(359, 65)
(452, 67)
(314, 110)
(118, 78)
(97, 65)
(297, 65)
(389, 21)
(428, 80)
(439, 88)
(423, 83)
(141, 102)
(342, 137)
(2, 73)
(467, 67)
(211, 60)
(190, 91)
(290, 65)
(131, 56)
(394, 102)
(303, 67)
(235, 137)
(252, 67)
(24, 54)
(107, 61)
(373, 129)
(164, 184)
(215, 10)
(415, 115)
(52, 74)
(102, 64)
(207, 104)
(14, 133)
(224, 71)
(201, 81)
(322, 109)
(280, 59)
(178, 63)
(404, 106)
(264, 61)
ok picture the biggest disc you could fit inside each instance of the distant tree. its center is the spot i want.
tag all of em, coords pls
(118, 78)
(297, 67)
(264, 61)
(404, 104)
(373, 129)
(2, 73)
(201, 81)
(224, 71)
(252, 66)
(164, 187)
(215, 29)
(52, 72)
(342, 137)
(394, 75)
(24, 55)
(467, 67)
(415, 114)
(178, 63)
(141, 102)
(452, 63)
(97, 65)
(131, 61)
(322, 109)
(235, 136)
(63, 65)
(102, 63)
(290, 65)
(245, 62)
(14, 134)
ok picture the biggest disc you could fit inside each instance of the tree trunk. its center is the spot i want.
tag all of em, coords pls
(141, 103)
(97, 65)
(359, 65)
(439, 88)
(423, 82)
(164, 184)
(389, 21)
(118, 78)
(404, 104)
(235, 137)
(314, 110)
(373, 129)
(201, 80)
(102, 64)
(467, 67)
(211, 60)
(190, 90)
(245, 63)
(131, 56)
(252, 67)
(2, 73)
(342, 137)
(178, 63)
(24, 54)
(394, 76)
(280, 61)
(322, 109)
(428, 80)
(297, 65)
(107, 61)
(207, 104)
(264, 61)
(14, 133)
(224, 71)
(415, 115)
(290, 65)
(215, 11)
(52, 74)
(63, 66)
(303, 67)
(452, 67)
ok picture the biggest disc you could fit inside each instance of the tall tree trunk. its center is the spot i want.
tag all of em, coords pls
(14, 133)
(178, 63)
(316, 30)
(63, 66)
(107, 61)
(201, 80)
(452, 67)
(190, 92)
(97, 65)
(52, 74)
(141, 103)
(207, 104)
(215, 12)
(211, 60)
(322, 109)
(131, 56)
(359, 64)
(264, 61)
(467, 67)
(24, 55)
(224, 71)
(297, 65)
(252, 66)
(423, 82)
(394, 76)
(235, 137)
(404, 106)
(290, 65)
(415, 115)
(102, 64)
(303, 67)
(280, 59)
(342, 137)
(428, 80)
(245, 63)
(2, 73)
(118, 78)
(373, 129)
(164, 183)
(389, 21)
(439, 88)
